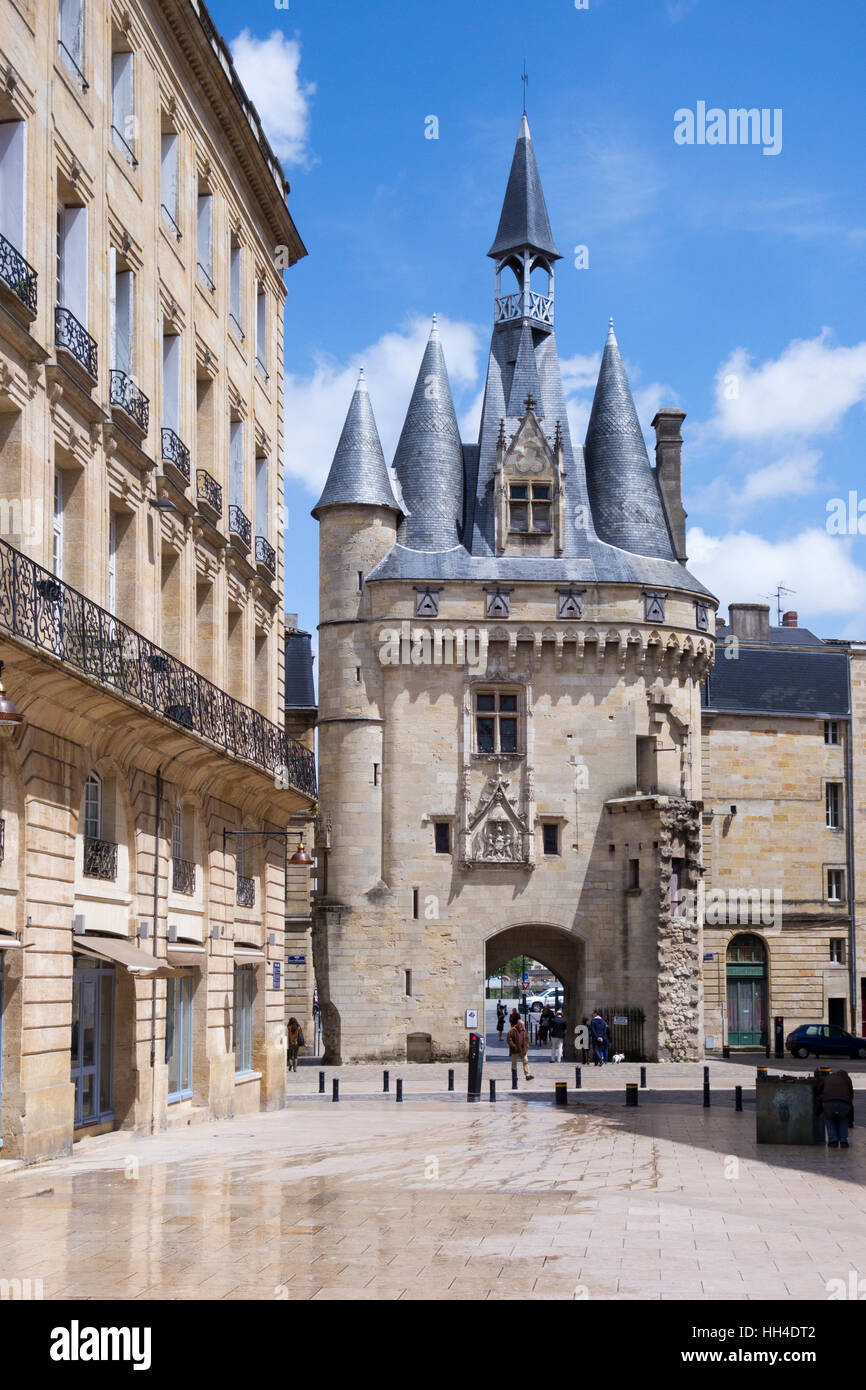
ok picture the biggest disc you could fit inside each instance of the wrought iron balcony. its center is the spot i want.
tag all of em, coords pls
(239, 525)
(38, 608)
(100, 859)
(208, 491)
(17, 274)
(265, 554)
(175, 451)
(246, 891)
(183, 876)
(75, 339)
(124, 393)
(531, 305)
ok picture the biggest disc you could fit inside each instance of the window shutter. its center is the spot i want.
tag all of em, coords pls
(262, 528)
(236, 463)
(261, 325)
(169, 172)
(123, 321)
(75, 262)
(171, 383)
(121, 96)
(12, 183)
(205, 213)
(72, 29)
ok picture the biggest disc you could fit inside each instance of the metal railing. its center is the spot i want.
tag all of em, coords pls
(71, 63)
(239, 525)
(207, 277)
(170, 220)
(236, 322)
(74, 337)
(183, 876)
(265, 554)
(125, 147)
(208, 490)
(175, 451)
(123, 392)
(100, 859)
(261, 368)
(40, 609)
(246, 891)
(17, 274)
(528, 306)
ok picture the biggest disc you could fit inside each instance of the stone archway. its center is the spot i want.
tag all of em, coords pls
(560, 950)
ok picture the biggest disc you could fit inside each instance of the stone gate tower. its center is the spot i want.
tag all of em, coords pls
(511, 653)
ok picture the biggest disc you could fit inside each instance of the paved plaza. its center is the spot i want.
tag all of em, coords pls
(440, 1199)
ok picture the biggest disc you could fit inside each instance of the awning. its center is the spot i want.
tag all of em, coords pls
(6, 941)
(123, 952)
(248, 953)
(184, 953)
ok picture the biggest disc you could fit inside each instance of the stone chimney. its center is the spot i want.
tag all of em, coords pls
(749, 621)
(668, 424)
(790, 619)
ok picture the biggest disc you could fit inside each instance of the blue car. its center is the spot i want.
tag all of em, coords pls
(824, 1040)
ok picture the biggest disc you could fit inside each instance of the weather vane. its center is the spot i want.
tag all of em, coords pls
(525, 81)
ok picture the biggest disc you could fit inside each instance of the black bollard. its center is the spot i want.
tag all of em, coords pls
(514, 1078)
(386, 1082)
(706, 1076)
(578, 1082)
(335, 1089)
(738, 1097)
(643, 1078)
(760, 1073)
(767, 1050)
(321, 1083)
(706, 1095)
(451, 1078)
(726, 1051)
(492, 1090)
(399, 1089)
(631, 1093)
(561, 1092)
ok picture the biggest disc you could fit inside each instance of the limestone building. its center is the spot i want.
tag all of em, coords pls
(511, 656)
(143, 231)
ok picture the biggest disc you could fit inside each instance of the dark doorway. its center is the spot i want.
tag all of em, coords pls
(836, 1012)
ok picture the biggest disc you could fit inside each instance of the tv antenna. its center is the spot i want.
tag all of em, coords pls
(777, 595)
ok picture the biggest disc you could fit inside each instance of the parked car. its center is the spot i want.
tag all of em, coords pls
(824, 1039)
(537, 1002)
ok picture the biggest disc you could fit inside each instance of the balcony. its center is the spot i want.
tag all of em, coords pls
(266, 556)
(73, 338)
(100, 859)
(183, 876)
(536, 307)
(124, 393)
(18, 275)
(175, 452)
(48, 615)
(209, 494)
(245, 891)
(239, 527)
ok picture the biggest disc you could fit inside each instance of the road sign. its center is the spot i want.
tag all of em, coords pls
(296, 960)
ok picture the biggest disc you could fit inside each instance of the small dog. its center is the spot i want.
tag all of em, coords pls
(618, 1057)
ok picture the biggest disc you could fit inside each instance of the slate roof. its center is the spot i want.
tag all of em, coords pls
(524, 220)
(772, 680)
(429, 458)
(300, 691)
(358, 471)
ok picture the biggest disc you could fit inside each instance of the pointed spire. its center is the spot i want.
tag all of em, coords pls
(429, 458)
(524, 220)
(626, 503)
(358, 473)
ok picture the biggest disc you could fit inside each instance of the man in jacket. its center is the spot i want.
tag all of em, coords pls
(599, 1032)
(835, 1097)
(557, 1037)
(518, 1046)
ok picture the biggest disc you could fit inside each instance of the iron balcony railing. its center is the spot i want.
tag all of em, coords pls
(207, 277)
(74, 337)
(175, 451)
(183, 876)
(123, 392)
(100, 859)
(124, 147)
(18, 274)
(38, 608)
(246, 891)
(265, 554)
(261, 368)
(171, 222)
(239, 525)
(208, 490)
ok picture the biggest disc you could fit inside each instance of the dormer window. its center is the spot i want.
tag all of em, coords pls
(529, 508)
(569, 603)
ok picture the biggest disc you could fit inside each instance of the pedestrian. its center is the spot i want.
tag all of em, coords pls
(585, 1050)
(518, 1046)
(599, 1032)
(835, 1097)
(295, 1039)
(545, 1019)
(501, 1012)
(557, 1036)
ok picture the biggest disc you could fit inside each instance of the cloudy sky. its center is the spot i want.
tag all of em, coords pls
(736, 278)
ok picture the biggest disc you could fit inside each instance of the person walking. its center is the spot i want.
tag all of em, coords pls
(835, 1097)
(295, 1041)
(545, 1019)
(600, 1034)
(518, 1046)
(557, 1036)
(501, 1012)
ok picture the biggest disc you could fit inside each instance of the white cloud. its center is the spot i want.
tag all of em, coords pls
(316, 405)
(794, 475)
(741, 567)
(268, 68)
(805, 391)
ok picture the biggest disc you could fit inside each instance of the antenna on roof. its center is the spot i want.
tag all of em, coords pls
(777, 595)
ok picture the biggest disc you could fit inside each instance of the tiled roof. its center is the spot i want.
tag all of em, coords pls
(300, 691)
(771, 680)
(429, 458)
(358, 472)
(524, 220)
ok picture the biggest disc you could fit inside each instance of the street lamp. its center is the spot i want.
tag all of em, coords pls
(10, 717)
(300, 855)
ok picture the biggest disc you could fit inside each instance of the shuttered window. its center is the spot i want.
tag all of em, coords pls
(12, 183)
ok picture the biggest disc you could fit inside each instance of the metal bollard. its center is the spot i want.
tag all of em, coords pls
(335, 1089)
(631, 1093)
(492, 1090)
(451, 1078)
(767, 1050)
(399, 1089)
(760, 1072)
(706, 1095)
(738, 1097)
(321, 1083)
(561, 1092)
(643, 1078)
(386, 1082)
(577, 1079)
(726, 1051)
(514, 1078)
(706, 1076)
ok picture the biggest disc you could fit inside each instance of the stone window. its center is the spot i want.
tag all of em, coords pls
(835, 885)
(702, 617)
(550, 837)
(498, 603)
(633, 874)
(833, 805)
(427, 603)
(837, 950)
(122, 104)
(93, 807)
(655, 607)
(168, 180)
(569, 603)
(442, 836)
(496, 722)
(831, 731)
(529, 508)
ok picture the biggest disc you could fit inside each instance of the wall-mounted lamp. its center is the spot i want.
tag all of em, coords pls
(733, 810)
(300, 855)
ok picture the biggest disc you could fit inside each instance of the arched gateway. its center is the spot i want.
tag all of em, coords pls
(561, 951)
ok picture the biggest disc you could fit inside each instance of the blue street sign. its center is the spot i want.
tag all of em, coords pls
(296, 960)
(276, 974)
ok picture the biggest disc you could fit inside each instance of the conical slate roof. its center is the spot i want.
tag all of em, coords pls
(429, 459)
(358, 473)
(524, 220)
(525, 380)
(626, 503)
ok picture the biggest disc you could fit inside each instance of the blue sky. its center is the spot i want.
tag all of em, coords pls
(736, 279)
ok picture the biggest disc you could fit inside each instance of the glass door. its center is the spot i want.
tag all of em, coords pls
(178, 1038)
(92, 1040)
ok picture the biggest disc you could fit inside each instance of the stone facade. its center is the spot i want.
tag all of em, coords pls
(141, 616)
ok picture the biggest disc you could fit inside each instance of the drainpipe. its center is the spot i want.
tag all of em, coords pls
(157, 821)
(849, 840)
